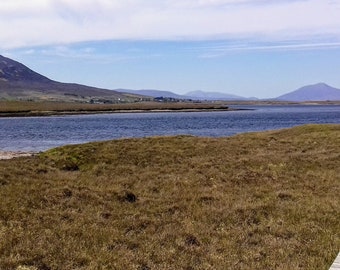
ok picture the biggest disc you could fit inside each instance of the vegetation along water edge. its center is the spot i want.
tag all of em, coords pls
(47, 108)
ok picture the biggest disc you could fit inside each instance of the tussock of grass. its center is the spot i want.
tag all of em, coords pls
(253, 201)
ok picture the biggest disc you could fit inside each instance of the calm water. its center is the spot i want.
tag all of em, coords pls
(41, 133)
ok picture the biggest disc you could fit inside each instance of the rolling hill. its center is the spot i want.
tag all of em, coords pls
(202, 95)
(18, 82)
(315, 92)
(153, 93)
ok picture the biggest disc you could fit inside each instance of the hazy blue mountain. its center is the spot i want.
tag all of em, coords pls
(315, 92)
(194, 95)
(215, 96)
(152, 93)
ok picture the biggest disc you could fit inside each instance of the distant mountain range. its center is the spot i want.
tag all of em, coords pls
(315, 92)
(18, 82)
(194, 95)
(216, 96)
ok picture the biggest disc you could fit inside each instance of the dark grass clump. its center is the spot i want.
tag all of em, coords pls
(128, 197)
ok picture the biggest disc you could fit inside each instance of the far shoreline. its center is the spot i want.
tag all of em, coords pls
(59, 108)
(92, 112)
(4, 155)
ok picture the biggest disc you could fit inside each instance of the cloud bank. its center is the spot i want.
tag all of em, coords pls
(46, 22)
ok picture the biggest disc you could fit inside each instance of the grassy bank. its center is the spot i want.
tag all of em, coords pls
(46, 108)
(26, 108)
(253, 201)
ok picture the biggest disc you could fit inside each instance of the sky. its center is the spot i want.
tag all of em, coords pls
(261, 48)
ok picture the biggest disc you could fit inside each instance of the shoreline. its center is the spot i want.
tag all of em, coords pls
(63, 113)
(4, 155)
(51, 108)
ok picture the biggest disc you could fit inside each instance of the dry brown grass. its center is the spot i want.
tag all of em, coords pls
(254, 201)
(27, 108)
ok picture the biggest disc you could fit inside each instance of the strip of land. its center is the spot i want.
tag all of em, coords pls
(49, 108)
(25, 108)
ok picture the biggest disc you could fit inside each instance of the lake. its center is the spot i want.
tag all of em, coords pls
(42, 133)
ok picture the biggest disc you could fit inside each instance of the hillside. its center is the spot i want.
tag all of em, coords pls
(253, 201)
(18, 82)
(315, 92)
(153, 93)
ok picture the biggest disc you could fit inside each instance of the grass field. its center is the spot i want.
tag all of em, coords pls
(253, 201)
(27, 108)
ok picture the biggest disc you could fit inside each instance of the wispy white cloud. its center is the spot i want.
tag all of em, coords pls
(47, 22)
(90, 54)
(220, 50)
(68, 52)
(83, 52)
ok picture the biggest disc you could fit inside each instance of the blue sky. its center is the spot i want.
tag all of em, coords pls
(261, 48)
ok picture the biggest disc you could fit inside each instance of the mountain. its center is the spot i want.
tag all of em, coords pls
(15, 72)
(153, 93)
(18, 82)
(215, 96)
(194, 95)
(315, 92)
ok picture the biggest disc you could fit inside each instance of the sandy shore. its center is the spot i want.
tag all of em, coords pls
(12, 154)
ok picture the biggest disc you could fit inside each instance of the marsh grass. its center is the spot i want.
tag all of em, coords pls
(27, 108)
(254, 201)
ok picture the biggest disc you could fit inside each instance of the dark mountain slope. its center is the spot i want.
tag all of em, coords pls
(14, 72)
(18, 82)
